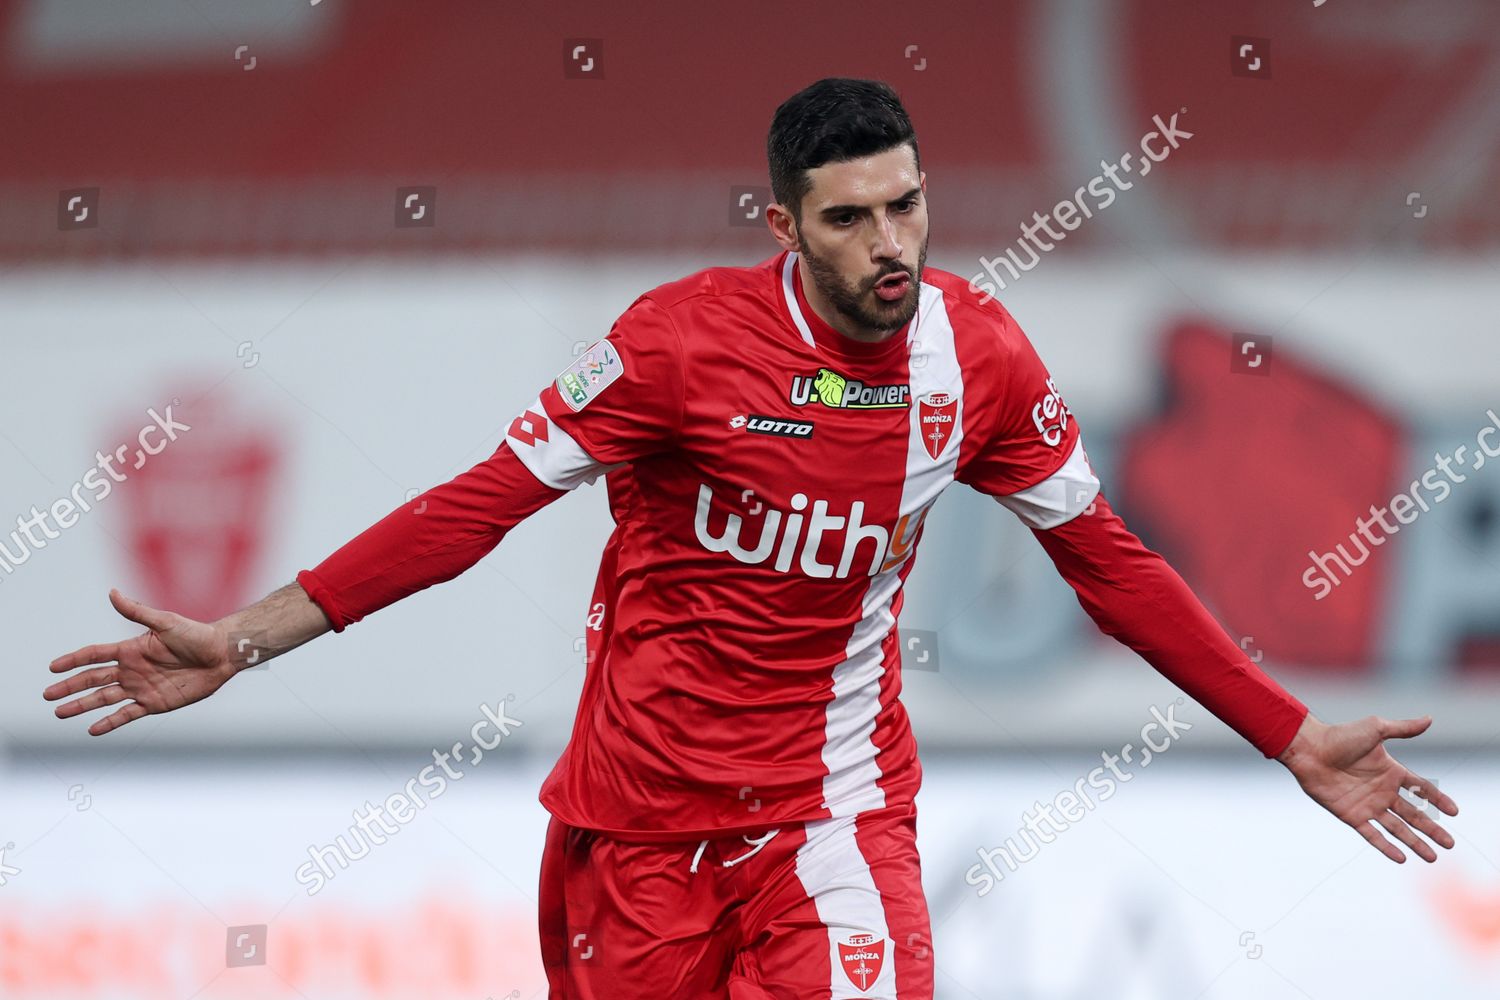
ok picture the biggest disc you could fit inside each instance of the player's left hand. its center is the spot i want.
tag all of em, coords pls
(1346, 769)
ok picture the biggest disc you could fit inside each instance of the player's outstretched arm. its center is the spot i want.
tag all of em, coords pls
(1347, 770)
(178, 661)
(1134, 596)
(428, 540)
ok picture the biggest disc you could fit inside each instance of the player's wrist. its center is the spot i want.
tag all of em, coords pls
(239, 643)
(1308, 737)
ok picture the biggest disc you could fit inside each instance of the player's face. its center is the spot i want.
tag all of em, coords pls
(864, 238)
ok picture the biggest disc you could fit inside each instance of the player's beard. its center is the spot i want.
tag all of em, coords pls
(859, 303)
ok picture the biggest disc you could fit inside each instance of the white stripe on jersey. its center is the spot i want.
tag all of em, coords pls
(935, 369)
(552, 454)
(1060, 497)
(836, 877)
(851, 785)
(789, 294)
(848, 748)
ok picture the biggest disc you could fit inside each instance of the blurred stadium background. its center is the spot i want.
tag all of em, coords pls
(348, 241)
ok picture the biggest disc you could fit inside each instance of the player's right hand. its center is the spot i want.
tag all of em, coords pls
(176, 662)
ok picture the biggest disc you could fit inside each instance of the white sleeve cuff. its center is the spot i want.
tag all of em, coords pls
(1060, 497)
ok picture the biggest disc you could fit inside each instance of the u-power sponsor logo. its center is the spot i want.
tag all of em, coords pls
(799, 537)
(842, 393)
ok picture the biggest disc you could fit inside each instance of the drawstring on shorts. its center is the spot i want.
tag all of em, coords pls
(759, 842)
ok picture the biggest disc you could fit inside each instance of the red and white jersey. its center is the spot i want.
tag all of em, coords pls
(769, 479)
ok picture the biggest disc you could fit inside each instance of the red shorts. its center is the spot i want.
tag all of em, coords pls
(826, 909)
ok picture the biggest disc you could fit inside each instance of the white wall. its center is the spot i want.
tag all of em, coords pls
(373, 379)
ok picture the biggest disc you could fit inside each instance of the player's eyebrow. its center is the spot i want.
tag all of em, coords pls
(835, 210)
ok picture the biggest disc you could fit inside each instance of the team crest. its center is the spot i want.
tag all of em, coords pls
(936, 414)
(862, 957)
(590, 374)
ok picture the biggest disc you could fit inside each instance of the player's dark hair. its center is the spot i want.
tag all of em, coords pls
(834, 120)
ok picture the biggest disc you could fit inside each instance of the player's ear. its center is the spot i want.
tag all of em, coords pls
(783, 226)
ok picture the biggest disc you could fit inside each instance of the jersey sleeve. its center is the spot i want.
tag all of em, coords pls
(621, 400)
(1023, 446)
(1132, 594)
(430, 539)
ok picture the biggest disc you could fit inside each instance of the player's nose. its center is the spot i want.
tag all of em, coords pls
(887, 246)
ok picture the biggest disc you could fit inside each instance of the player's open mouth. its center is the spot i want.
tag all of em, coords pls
(892, 288)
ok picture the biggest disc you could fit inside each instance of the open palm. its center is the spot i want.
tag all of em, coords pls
(177, 662)
(1347, 770)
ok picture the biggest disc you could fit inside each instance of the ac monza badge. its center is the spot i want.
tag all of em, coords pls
(195, 556)
(862, 957)
(936, 414)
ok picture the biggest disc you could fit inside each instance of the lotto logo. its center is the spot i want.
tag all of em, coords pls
(529, 428)
(771, 425)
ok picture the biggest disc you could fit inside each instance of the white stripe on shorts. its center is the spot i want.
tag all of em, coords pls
(837, 878)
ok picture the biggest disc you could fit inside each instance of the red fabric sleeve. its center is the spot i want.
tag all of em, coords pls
(622, 406)
(1017, 428)
(1133, 595)
(430, 539)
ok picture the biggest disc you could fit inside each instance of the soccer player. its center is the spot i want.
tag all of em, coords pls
(733, 816)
